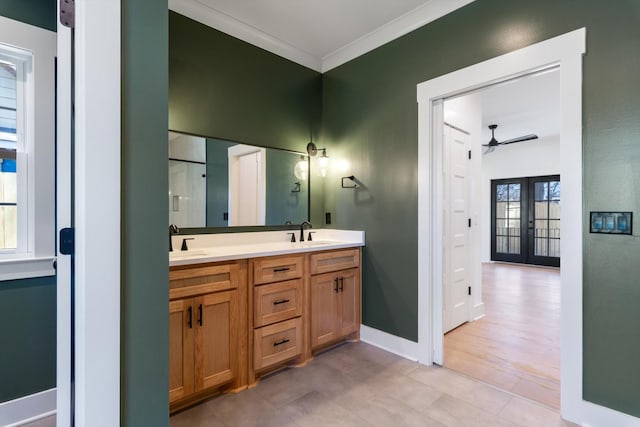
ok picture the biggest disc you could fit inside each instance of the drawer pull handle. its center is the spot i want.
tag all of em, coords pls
(281, 301)
(341, 284)
(277, 343)
(336, 288)
(200, 314)
(278, 270)
(190, 321)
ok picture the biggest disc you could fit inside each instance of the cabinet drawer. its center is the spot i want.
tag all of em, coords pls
(277, 343)
(275, 269)
(277, 301)
(324, 262)
(191, 281)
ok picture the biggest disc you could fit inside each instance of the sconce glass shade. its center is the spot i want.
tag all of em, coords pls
(301, 170)
(323, 163)
(323, 160)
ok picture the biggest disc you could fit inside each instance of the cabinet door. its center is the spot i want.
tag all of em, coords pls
(349, 309)
(324, 309)
(216, 338)
(180, 349)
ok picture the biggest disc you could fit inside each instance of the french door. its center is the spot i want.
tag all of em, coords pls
(525, 220)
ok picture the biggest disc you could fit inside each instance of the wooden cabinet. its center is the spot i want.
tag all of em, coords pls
(234, 321)
(277, 330)
(335, 297)
(204, 333)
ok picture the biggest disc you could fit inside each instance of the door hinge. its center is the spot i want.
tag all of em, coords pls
(67, 241)
(469, 154)
(469, 290)
(68, 13)
(469, 222)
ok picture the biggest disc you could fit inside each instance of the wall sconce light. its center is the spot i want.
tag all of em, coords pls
(301, 169)
(323, 160)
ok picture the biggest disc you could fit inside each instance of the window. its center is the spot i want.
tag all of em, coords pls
(27, 168)
(11, 72)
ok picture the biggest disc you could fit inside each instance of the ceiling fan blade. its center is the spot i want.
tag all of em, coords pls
(519, 139)
(490, 149)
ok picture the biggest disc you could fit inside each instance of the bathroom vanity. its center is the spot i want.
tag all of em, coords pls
(242, 305)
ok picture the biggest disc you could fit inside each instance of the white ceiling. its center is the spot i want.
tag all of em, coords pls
(530, 104)
(317, 34)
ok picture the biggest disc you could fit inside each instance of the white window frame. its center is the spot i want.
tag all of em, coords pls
(33, 50)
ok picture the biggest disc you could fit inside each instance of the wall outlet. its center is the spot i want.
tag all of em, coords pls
(327, 218)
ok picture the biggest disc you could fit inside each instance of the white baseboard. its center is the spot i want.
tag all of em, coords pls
(400, 346)
(28, 408)
(592, 415)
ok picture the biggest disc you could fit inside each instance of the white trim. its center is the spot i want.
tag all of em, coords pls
(391, 343)
(565, 51)
(28, 408)
(63, 212)
(23, 268)
(416, 18)
(400, 26)
(97, 213)
(229, 25)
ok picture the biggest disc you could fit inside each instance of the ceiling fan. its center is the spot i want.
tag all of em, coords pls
(494, 142)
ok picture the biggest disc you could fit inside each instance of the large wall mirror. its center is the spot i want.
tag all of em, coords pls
(218, 183)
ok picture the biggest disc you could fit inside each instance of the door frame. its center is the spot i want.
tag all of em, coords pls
(565, 52)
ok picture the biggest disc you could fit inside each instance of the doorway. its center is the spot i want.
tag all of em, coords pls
(566, 53)
(247, 185)
(513, 341)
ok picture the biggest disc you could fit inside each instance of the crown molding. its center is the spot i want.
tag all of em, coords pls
(222, 22)
(400, 26)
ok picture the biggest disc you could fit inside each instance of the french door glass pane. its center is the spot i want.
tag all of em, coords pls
(514, 192)
(514, 245)
(541, 247)
(554, 190)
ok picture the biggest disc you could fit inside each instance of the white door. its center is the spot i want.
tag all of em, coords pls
(248, 211)
(456, 233)
(247, 185)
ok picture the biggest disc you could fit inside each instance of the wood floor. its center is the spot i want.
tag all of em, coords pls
(516, 346)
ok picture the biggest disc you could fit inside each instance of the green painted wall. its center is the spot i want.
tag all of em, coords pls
(225, 88)
(145, 266)
(28, 334)
(41, 13)
(282, 204)
(28, 307)
(370, 118)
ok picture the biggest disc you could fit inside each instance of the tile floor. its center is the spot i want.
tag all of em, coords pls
(360, 385)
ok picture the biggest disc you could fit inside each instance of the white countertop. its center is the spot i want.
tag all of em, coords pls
(229, 246)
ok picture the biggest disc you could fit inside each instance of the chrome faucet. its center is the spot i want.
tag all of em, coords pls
(302, 229)
(173, 229)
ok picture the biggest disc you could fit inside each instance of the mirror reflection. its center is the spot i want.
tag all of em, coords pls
(218, 183)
